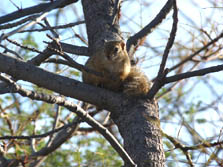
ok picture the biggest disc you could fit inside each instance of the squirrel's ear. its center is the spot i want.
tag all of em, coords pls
(123, 45)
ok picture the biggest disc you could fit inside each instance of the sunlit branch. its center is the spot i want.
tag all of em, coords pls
(162, 73)
(35, 9)
(201, 72)
(17, 23)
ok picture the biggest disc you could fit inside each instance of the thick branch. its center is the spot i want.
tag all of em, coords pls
(31, 10)
(54, 27)
(134, 41)
(35, 61)
(78, 50)
(63, 85)
(17, 23)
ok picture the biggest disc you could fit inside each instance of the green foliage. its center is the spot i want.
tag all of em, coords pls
(200, 121)
(90, 152)
(60, 158)
(30, 42)
(74, 73)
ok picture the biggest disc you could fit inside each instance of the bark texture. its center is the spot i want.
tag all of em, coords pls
(137, 119)
(139, 125)
(100, 22)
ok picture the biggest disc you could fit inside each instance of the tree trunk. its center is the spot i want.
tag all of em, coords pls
(137, 119)
(139, 125)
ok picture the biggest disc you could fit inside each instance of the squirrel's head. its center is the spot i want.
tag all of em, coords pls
(114, 49)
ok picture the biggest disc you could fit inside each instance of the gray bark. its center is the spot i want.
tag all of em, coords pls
(138, 119)
(138, 123)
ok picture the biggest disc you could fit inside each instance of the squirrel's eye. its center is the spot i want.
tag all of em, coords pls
(115, 50)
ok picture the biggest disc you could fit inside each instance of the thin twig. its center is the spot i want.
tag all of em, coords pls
(55, 34)
(55, 27)
(197, 52)
(24, 47)
(117, 7)
(58, 61)
(177, 144)
(11, 51)
(170, 41)
(38, 19)
(55, 124)
(35, 136)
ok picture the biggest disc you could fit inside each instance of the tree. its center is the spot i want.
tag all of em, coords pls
(138, 121)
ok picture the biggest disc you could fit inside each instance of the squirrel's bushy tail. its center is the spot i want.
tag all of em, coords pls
(136, 84)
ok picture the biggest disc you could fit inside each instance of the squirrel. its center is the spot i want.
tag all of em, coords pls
(118, 74)
(114, 64)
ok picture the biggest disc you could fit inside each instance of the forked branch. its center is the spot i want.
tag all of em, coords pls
(162, 71)
(134, 41)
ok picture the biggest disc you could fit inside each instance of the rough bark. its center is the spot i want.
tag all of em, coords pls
(68, 87)
(99, 16)
(139, 125)
(138, 119)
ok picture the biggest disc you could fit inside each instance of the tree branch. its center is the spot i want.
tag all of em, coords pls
(35, 9)
(162, 73)
(134, 41)
(193, 74)
(63, 85)
(37, 60)
(76, 109)
(197, 52)
(36, 20)
(36, 136)
(78, 50)
(177, 144)
(170, 41)
(55, 27)
(17, 23)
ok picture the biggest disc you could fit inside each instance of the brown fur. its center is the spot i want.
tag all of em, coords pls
(113, 62)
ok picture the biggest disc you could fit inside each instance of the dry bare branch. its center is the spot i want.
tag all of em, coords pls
(162, 73)
(35, 9)
(134, 41)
